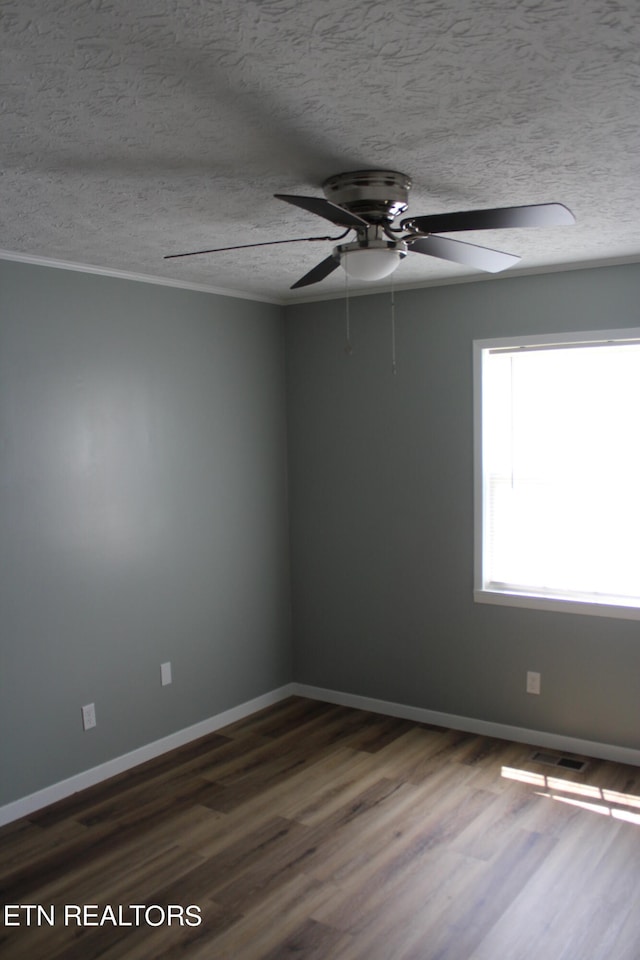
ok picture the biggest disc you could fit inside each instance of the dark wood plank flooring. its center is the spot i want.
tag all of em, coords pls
(325, 833)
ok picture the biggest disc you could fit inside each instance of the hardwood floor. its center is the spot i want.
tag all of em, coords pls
(321, 832)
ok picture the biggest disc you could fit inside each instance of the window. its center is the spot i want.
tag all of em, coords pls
(558, 472)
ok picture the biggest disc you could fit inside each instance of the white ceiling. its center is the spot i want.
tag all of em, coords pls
(135, 129)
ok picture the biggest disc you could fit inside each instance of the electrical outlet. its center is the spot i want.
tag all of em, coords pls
(165, 673)
(533, 682)
(89, 716)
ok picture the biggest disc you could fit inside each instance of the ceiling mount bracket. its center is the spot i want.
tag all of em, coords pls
(376, 195)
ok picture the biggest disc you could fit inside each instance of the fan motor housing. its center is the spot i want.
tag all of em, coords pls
(375, 195)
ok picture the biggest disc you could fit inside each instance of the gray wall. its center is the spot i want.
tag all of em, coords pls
(143, 514)
(381, 512)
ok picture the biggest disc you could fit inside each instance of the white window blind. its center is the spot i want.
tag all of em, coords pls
(560, 471)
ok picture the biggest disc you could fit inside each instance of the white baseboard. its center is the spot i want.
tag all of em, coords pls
(537, 738)
(88, 778)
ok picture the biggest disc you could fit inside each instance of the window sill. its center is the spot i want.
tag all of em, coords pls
(605, 608)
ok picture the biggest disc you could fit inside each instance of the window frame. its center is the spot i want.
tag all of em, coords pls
(482, 593)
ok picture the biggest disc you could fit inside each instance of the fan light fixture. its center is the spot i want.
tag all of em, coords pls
(371, 260)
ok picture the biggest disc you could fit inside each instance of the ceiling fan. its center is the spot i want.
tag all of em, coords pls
(368, 202)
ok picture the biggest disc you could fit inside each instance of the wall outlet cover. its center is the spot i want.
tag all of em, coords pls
(533, 682)
(89, 716)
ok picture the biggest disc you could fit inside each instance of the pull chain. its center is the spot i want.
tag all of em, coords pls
(394, 368)
(348, 349)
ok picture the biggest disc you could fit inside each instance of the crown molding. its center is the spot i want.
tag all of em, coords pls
(138, 277)
(374, 289)
(386, 287)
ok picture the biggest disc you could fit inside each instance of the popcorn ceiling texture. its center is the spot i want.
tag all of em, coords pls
(131, 130)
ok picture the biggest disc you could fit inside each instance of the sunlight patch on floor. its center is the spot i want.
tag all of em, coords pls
(586, 796)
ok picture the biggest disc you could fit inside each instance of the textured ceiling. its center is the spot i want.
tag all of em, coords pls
(132, 130)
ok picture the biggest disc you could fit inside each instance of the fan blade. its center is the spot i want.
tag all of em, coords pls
(493, 261)
(319, 272)
(244, 246)
(324, 208)
(536, 215)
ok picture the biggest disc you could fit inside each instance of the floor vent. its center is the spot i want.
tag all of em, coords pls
(553, 760)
